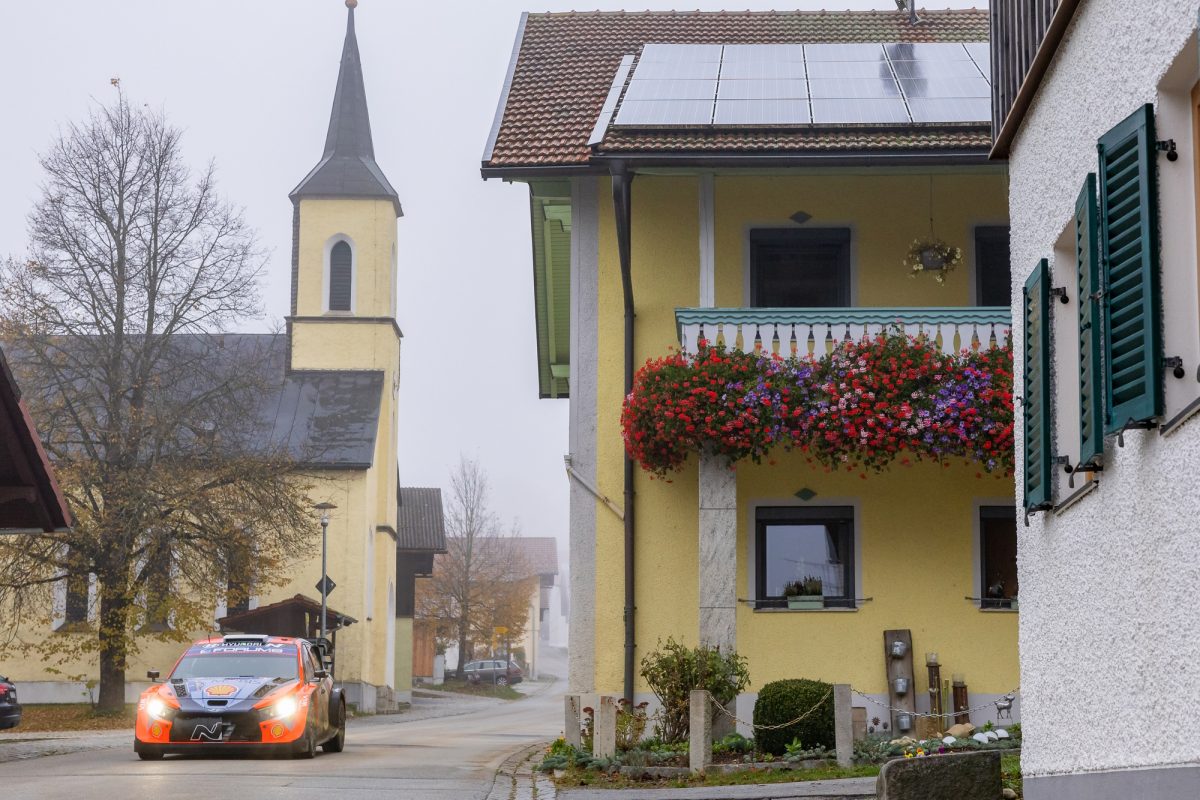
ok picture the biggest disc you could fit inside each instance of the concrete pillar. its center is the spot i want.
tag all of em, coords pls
(605, 742)
(843, 724)
(700, 717)
(572, 719)
(718, 553)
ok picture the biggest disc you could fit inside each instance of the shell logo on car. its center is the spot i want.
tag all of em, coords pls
(221, 690)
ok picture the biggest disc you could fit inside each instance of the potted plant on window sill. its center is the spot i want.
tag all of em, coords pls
(805, 594)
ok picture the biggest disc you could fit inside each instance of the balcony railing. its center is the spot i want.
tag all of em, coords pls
(790, 331)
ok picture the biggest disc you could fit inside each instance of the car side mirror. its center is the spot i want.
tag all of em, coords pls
(153, 674)
(321, 673)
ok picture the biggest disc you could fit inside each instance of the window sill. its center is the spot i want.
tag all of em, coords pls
(1000, 610)
(75, 627)
(778, 610)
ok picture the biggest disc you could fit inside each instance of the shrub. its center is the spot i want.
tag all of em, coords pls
(782, 701)
(631, 724)
(673, 671)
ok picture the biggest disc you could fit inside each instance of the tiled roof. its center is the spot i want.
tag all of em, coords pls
(420, 520)
(540, 553)
(566, 63)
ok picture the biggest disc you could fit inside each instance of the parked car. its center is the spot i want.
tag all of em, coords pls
(10, 709)
(243, 691)
(494, 672)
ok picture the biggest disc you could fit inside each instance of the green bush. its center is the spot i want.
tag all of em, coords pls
(673, 671)
(782, 701)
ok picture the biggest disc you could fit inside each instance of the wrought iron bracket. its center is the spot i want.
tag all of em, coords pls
(1083, 466)
(1134, 425)
(1167, 146)
(1175, 364)
(1061, 293)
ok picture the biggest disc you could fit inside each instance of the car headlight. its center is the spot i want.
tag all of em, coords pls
(284, 708)
(156, 708)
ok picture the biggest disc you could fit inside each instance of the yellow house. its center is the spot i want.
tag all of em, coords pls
(760, 177)
(337, 373)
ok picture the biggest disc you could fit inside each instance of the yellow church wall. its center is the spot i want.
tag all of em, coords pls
(932, 547)
(403, 655)
(371, 227)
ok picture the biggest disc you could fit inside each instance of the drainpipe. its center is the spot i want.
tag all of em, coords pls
(621, 180)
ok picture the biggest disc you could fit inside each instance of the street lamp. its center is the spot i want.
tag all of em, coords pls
(324, 508)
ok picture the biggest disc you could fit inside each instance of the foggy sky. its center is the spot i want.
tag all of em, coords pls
(251, 84)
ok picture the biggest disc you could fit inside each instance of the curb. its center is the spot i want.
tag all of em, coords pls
(516, 780)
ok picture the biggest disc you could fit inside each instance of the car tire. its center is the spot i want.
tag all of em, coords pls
(338, 743)
(502, 680)
(147, 752)
(309, 745)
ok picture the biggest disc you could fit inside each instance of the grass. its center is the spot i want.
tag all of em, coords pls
(575, 777)
(480, 689)
(1010, 772)
(56, 717)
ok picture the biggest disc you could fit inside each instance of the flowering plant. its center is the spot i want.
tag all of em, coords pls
(932, 255)
(863, 406)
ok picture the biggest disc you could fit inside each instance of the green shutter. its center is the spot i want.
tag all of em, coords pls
(1038, 461)
(1129, 247)
(1091, 392)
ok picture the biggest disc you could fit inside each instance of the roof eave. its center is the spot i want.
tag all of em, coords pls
(494, 133)
(847, 158)
(1033, 78)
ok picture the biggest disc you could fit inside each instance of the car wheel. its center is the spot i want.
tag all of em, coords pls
(502, 680)
(148, 752)
(309, 745)
(338, 742)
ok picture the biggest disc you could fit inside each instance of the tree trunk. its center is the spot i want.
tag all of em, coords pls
(114, 609)
(462, 646)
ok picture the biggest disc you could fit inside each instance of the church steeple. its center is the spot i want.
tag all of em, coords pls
(347, 167)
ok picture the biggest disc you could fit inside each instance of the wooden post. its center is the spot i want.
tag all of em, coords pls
(900, 667)
(935, 695)
(961, 702)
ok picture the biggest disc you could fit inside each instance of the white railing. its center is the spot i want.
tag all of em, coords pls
(814, 331)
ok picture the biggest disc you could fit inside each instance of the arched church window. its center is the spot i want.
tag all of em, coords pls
(340, 276)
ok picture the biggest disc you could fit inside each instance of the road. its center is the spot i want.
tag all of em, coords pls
(438, 758)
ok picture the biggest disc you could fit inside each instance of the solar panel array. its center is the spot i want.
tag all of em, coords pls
(803, 84)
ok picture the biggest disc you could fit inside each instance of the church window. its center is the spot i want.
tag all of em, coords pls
(341, 269)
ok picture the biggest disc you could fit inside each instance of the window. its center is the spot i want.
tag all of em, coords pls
(76, 611)
(998, 556)
(158, 589)
(792, 544)
(341, 272)
(800, 268)
(993, 275)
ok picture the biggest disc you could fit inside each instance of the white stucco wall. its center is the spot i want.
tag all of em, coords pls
(1109, 638)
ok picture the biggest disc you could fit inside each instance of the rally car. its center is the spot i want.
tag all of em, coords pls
(243, 691)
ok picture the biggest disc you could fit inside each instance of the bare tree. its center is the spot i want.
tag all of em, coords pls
(482, 581)
(152, 416)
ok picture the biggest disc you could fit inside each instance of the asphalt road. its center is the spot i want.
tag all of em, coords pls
(440, 758)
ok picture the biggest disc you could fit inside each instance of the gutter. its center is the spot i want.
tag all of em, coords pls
(622, 180)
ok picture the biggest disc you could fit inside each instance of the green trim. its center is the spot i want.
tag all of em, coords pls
(1091, 369)
(550, 223)
(1129, 240)
(1038, 460)
(857, 315)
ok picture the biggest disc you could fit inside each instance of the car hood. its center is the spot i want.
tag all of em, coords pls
(231, 689)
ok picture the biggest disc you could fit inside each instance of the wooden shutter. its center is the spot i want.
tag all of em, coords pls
(1091, 374)
(1129, 249)
(340, 277)
(1038, 461)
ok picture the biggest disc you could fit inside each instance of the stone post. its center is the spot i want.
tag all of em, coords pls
(700, 717)
(718, 553)
(605, 743)
(843, 724)
(572, 719)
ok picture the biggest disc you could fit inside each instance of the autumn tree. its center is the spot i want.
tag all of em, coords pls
(482, 581)
(113, 323)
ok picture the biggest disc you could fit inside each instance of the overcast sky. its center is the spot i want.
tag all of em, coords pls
(251, 83)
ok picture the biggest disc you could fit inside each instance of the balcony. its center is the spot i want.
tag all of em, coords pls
(808, 331)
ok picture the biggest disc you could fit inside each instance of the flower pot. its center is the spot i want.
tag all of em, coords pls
(932, 260)
(806, 601)
(900, 686)
(1013, 604)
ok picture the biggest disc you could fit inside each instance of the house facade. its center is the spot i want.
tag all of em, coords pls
(756, 179)
(1096, 111)
(334, 404)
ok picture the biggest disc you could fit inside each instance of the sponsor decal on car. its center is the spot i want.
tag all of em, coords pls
(221, 690)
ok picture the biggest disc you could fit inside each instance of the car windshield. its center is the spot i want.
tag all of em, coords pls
(240, 661)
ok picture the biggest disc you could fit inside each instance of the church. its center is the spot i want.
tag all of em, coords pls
(335, 378)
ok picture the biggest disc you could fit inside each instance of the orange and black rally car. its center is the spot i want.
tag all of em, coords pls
(243, 691)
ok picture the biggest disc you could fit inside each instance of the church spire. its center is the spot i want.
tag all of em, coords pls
(347, 167)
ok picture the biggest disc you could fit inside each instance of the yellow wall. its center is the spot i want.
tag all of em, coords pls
(404, 655)
(916, 524)
(371, 225)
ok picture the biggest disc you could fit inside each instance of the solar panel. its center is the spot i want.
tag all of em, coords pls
(793, 84)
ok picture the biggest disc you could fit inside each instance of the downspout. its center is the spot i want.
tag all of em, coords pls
(621, 180)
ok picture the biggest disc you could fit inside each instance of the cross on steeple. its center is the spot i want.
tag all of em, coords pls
(347, 167)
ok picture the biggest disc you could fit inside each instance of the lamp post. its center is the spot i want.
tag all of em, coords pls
(324, 508)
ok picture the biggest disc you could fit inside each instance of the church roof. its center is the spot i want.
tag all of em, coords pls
(347, 167)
